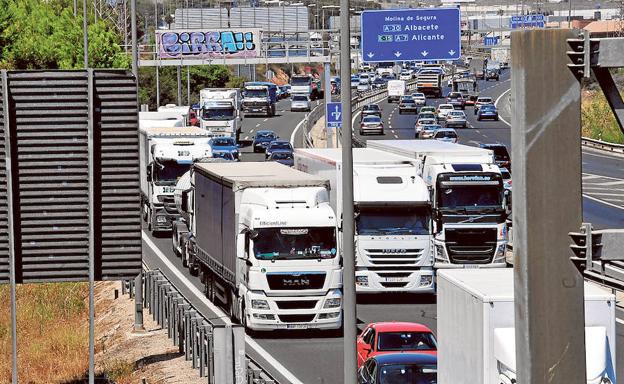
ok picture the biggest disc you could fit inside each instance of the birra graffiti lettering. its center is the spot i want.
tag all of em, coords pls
(208, 44)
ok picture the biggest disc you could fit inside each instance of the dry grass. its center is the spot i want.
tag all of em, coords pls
(52, 332)
(597, 118)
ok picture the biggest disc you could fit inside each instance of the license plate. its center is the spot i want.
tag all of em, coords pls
(394, 279)
(296, 326)
(471, 266)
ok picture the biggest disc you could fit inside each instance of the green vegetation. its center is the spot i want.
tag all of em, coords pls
(597, 119)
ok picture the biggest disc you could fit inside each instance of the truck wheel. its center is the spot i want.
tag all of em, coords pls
(209, 286)
(193, 267)
(175, 239)
(232, 302)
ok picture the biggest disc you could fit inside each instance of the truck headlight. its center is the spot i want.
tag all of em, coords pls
(361, 280)
(425, 281)
(440, 252)
(331, 315)
(605, 380)
(332, 303)
(161, 219)
(259, 304)
(500, 251)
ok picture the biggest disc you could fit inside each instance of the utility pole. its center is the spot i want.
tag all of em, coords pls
(549, 302)
(348, 245)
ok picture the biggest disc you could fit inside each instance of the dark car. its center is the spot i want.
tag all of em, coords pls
(492, 74)
(487, 111)
(479, 75)
(501, 155)
(456, 100)
(379, 83)
(399, 368)
(371, 110)
(262, 139)
(285, 158)
(278, 146)
(408, 105)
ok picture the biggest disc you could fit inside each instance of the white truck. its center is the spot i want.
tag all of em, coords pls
(183, 110)
(396, 89)
(501, 55)
(165, 154)
(393, 217)
(263, 237)
(161, 119)
(220, 111)
(468, 200)
(476, 334)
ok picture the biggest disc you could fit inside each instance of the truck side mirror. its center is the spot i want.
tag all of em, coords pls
(184, 203)
(149, 173)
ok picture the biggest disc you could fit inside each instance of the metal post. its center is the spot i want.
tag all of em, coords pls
(348, 251)
(75, 8)
(549, 310)
(179, 75)
(92, 229)
(135, 50)
(157, 87)
(328, 98)
(138, 303)
(85, 43)
(569, 14)
(188, 85)
(10, 225)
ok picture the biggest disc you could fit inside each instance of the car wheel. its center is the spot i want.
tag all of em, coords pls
(478, 118)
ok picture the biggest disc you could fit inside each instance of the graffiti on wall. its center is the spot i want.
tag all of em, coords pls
(208, 44)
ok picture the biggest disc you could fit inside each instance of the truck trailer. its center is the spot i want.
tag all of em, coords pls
(468, 199)
(165, 154)
(476, 334)
(263, 238)
(392, 216)
(220, 111)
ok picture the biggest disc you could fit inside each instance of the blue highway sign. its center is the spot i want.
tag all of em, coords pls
(333, 115)
(490, 40)
(527, 21)
(411, 34)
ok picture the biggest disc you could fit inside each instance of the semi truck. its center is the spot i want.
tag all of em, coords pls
(476, 329)
(429, 82)
(259, 98)
(185, 111)
(165, 154)
(220, 111)
(263, 238)
(392, 217)
(468, 87)
(305, 85)
(468, 200)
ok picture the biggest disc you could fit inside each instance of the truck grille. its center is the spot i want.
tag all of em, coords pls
(470, 245)
(393, 256)
(255, 104)
(296, 304)
(169, 205)
(296, 318)
(394, 284)
(296, 281)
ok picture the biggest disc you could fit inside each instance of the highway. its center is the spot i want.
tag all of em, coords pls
(314, 357)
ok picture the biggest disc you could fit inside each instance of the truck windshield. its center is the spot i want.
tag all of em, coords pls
(299, 81)
(407, 374)
(295, 243)
(406, 341)
(470, 196)
(218, 114)
(260, 93)
(169, 173)
(375, 221)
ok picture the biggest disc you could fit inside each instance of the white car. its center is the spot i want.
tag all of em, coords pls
(420, 99)
(405, 75)
(456, 119)
(363, 86)
(421, 124)
(445, 134)
(364, 78)
(443, 110)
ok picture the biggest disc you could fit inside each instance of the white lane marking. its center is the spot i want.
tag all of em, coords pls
(248, 340)
(619, 320)
(589, 152)
(294, 132)
(589, 177)
(496, 104)
(251, 131)
(257, 125)
(264, 120)
(619, 195)
(598, 189)
(396, 137)
(246, 138)
(603, 202)
(609, 183)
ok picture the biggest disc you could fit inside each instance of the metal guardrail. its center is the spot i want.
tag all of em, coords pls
(216, 350)
(602, 145)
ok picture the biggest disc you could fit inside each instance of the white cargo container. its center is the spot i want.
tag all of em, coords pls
(396, 89)
(263, 236)
(165, 154)
(393, 217)
(161, 119)
(476, 335)
(468, 200)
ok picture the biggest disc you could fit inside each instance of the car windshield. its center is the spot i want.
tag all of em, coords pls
(408, 374)
(280, 146)
(223, 155)
(300, 81)
(406, 341)
(300, 98)
(431, 127)
(426, 121)
(488, 107)
(373, 221)
(168, 172)
(426, 116)
(470, 196)
(455, 95)
(371, 119)
(444, 106)
(295, 243)
(225, 142)
(256, 93)
(418, 95)
(407, 101)
(500, 153)
(427, 109)
(265, 135)
(372, 107)
(505, 173)
(226, 113)
(446, 134)
(484, 100)
(406, 98)
(457, 114)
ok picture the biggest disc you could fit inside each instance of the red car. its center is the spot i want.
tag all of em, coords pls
(393, 337)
